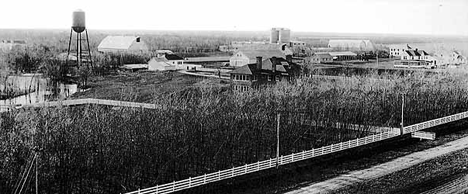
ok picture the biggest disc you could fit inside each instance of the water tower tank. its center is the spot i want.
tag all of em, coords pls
(79, 24)
(284, 35)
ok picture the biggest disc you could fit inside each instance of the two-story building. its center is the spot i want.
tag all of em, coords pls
(244, 57)
(264, 71)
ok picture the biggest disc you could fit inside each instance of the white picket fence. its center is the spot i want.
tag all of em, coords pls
(90, 101)
(263, 165)
(295, 157)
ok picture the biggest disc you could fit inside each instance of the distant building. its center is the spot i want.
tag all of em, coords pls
(134, 67)
(351, 45)
(160, 64)
(321, 57)
(8, 45)
(263, 71)
(414, 54)
(123, 44)
(397, 51)
(295, 43)
(171, 59)
(280, 35)
(244, 57)
(343, 56)
(456, 58)
(160, 53)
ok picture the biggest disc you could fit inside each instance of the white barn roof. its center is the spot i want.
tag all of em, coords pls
(363, 45)
(122, 43)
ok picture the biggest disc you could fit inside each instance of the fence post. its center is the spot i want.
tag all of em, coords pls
(204, 179)
(190, 182)
(258, 166)
(219, 175)
(245, 169)
(278, 117)
(157, 188)
(173, 186)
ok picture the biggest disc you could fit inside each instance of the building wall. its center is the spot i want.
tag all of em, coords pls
(154, 65)
(321, 59)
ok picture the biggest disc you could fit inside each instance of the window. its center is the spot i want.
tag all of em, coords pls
(269, 78)
(278, 78)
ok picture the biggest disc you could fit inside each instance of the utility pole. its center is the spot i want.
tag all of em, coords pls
(402, 108)
(278, 117)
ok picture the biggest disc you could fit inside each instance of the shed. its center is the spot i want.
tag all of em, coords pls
(160, 64)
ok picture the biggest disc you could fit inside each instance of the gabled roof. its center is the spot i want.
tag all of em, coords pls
(322, 54)
(162, 61)
(346, 53)
(253, 54)
(172, 57)
(282, 66)
(351, 44)
(245, 70)
(117, 42)
(412, 53)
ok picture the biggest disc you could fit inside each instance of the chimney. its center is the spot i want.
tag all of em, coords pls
(259, 62)
(273, 64)
(289, 58)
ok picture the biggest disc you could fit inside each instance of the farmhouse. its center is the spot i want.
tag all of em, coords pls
(351, 45)
(415, 54)
(122, 44)
(398, 50)
(160, 64)
(244, 57)
(263, 71)
(456, 58)
(321, 57)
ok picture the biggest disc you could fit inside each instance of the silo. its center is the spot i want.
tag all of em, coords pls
(78, 24)
(274, 36)
(284, 35)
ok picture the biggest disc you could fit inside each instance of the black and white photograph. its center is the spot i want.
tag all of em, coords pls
(233, 97)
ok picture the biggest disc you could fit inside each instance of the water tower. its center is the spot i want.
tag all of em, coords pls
(81, 45)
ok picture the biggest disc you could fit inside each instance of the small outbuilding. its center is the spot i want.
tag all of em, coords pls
(160, 64)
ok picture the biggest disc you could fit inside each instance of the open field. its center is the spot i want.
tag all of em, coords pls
(144, 86)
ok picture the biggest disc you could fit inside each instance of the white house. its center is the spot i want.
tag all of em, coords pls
(415, 54)
(321, 57)
(456, 58)
(160, 64)
(244, 57)
(122, 44)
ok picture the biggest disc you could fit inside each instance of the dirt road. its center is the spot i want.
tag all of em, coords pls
(383, 169)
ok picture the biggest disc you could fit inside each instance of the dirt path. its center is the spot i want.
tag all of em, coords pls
(383, 169)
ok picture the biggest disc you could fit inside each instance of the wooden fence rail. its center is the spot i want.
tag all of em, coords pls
(295, 157)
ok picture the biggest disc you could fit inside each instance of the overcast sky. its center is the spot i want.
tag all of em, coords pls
(434, 17)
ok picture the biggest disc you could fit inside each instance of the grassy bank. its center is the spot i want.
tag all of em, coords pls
(94, 149)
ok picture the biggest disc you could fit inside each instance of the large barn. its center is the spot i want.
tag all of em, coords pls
(351, 45)
(122, 44)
